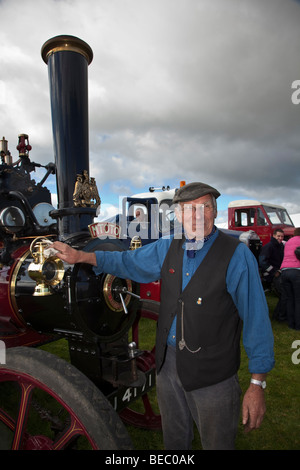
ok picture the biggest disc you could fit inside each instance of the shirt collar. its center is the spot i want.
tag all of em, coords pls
(191, 246)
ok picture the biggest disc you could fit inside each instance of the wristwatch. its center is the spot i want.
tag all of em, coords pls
(261, 383)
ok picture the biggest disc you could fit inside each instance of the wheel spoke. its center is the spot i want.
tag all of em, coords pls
(70, 433)
(7, 420)
(24, 405)
(145, 420)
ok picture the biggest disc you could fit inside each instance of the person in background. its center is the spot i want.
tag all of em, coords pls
(210, 291)
(271, 257)
(290, 275)
(270, 260)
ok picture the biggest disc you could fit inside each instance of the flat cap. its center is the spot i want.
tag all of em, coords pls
(193, 191)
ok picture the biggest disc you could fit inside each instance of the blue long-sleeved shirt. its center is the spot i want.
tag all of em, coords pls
(242, 280)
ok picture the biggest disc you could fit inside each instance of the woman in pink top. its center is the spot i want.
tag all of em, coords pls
(290, 279)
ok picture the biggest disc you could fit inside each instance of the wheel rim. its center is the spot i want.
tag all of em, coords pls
(17, 419)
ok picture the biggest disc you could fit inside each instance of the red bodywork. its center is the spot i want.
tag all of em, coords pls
(257, 217)
(150, 291)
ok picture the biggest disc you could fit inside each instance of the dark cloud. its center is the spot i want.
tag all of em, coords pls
(178, 90)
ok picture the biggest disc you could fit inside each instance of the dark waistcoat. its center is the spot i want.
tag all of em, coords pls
(211, 324)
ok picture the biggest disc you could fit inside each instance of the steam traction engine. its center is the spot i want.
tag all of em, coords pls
(47, 402)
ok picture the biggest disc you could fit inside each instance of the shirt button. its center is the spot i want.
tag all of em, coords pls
(187, 274)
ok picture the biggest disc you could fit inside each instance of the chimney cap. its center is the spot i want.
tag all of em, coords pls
(66, 43)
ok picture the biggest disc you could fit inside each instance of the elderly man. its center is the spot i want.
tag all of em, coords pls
(210, 287)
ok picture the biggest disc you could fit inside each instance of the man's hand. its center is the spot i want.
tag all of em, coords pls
(72, 256)
(254, 407)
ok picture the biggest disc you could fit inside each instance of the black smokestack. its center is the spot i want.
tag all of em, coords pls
(68, 58)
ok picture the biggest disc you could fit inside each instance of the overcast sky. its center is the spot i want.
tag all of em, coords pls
(178, 90)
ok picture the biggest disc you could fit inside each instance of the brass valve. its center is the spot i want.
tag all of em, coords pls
(135, 243)
(45, 270)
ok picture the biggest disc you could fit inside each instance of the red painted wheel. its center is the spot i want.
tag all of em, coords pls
(143, 334)
(46, 403)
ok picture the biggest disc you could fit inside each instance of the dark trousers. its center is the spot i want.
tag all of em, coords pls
(290, 285)
(280, 309)
(214, 409)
